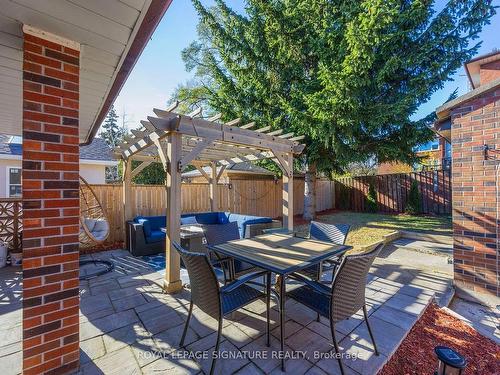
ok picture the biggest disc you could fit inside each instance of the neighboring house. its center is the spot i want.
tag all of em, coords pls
(435, 154)
(94, 159)
(240, 171)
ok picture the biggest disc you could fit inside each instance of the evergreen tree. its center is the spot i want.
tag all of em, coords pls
(371, 199)
(348, 75)
(113, 134)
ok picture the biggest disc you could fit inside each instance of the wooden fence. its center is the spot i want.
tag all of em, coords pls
(252, 197)
(392, 191)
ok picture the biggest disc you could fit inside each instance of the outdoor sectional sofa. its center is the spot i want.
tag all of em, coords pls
(145, 235)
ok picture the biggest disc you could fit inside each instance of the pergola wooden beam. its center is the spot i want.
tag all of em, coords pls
(179, 140)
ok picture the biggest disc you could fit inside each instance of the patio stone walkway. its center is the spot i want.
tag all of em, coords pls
(128, 326)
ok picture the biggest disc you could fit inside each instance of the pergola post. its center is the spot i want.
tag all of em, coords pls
(288, 191)
(214, 204)
(127, 192)
(173, 155)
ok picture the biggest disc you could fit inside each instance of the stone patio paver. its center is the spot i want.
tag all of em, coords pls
(397, 317)
(128, 326)
(91, 349)
(124, 336)
(172, 367)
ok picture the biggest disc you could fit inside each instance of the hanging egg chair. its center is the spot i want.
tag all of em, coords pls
(94, 223)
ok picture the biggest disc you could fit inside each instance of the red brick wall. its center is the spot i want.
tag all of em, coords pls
(475, 193)
(489, 72)
(51, 207)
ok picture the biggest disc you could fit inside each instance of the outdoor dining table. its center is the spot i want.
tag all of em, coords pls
(282, 254)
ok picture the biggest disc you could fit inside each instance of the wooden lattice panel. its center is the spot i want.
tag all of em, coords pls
(10, 222)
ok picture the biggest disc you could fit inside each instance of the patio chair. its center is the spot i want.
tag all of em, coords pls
(219, 233)
(335, 233)
(218, 301)
(344, 298)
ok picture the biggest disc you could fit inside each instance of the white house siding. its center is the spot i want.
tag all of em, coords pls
(93, 173)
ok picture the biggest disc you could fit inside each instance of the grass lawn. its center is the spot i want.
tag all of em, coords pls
(367, 228)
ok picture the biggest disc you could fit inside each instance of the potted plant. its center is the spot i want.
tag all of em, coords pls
(16, 258)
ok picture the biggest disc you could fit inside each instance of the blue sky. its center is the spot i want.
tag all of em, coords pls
(160, 68)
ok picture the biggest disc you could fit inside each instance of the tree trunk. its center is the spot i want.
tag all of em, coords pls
(310, 192)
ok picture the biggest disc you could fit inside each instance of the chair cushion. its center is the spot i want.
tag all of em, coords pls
(90, 224)
(238, 298)
(188, 220)
(244, 220)
(100, 235)
(312, 299)
(101, 226)
(156, 236)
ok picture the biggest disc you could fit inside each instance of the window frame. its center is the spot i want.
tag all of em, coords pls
(438, 141)
(8, 184)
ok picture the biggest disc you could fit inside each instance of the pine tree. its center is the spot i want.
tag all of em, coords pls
(371, 199)
(113, 134)
(349, 75)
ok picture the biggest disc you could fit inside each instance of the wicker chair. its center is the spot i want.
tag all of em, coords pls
(344, 298)
(220, 233)
(218, 301)
(336, 233)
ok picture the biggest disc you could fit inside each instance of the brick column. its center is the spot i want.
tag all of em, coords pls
(50, 204)
(476, 123)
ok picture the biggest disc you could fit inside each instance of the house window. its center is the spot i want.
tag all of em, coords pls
(14, 182)
(429, 146)
(447, 149)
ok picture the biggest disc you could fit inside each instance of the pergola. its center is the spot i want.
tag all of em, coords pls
(178, 140)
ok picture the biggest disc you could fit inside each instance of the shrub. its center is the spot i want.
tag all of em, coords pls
(414, 202)
(371, 199)
(344, 198)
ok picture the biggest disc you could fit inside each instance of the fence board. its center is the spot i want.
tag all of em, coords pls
(393, 190)
(252, 197)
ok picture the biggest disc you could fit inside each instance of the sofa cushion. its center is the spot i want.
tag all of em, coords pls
(207, 217)
(244, 220)
(188, 220)
(157, 222)
(223, 217)
(156, 236)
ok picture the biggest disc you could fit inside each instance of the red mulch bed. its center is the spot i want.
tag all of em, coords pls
(436, 327)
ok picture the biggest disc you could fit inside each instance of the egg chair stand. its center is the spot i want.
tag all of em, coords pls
(94, 223)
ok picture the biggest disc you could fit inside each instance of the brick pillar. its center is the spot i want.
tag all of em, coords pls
(50, 204)
(476, 123)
